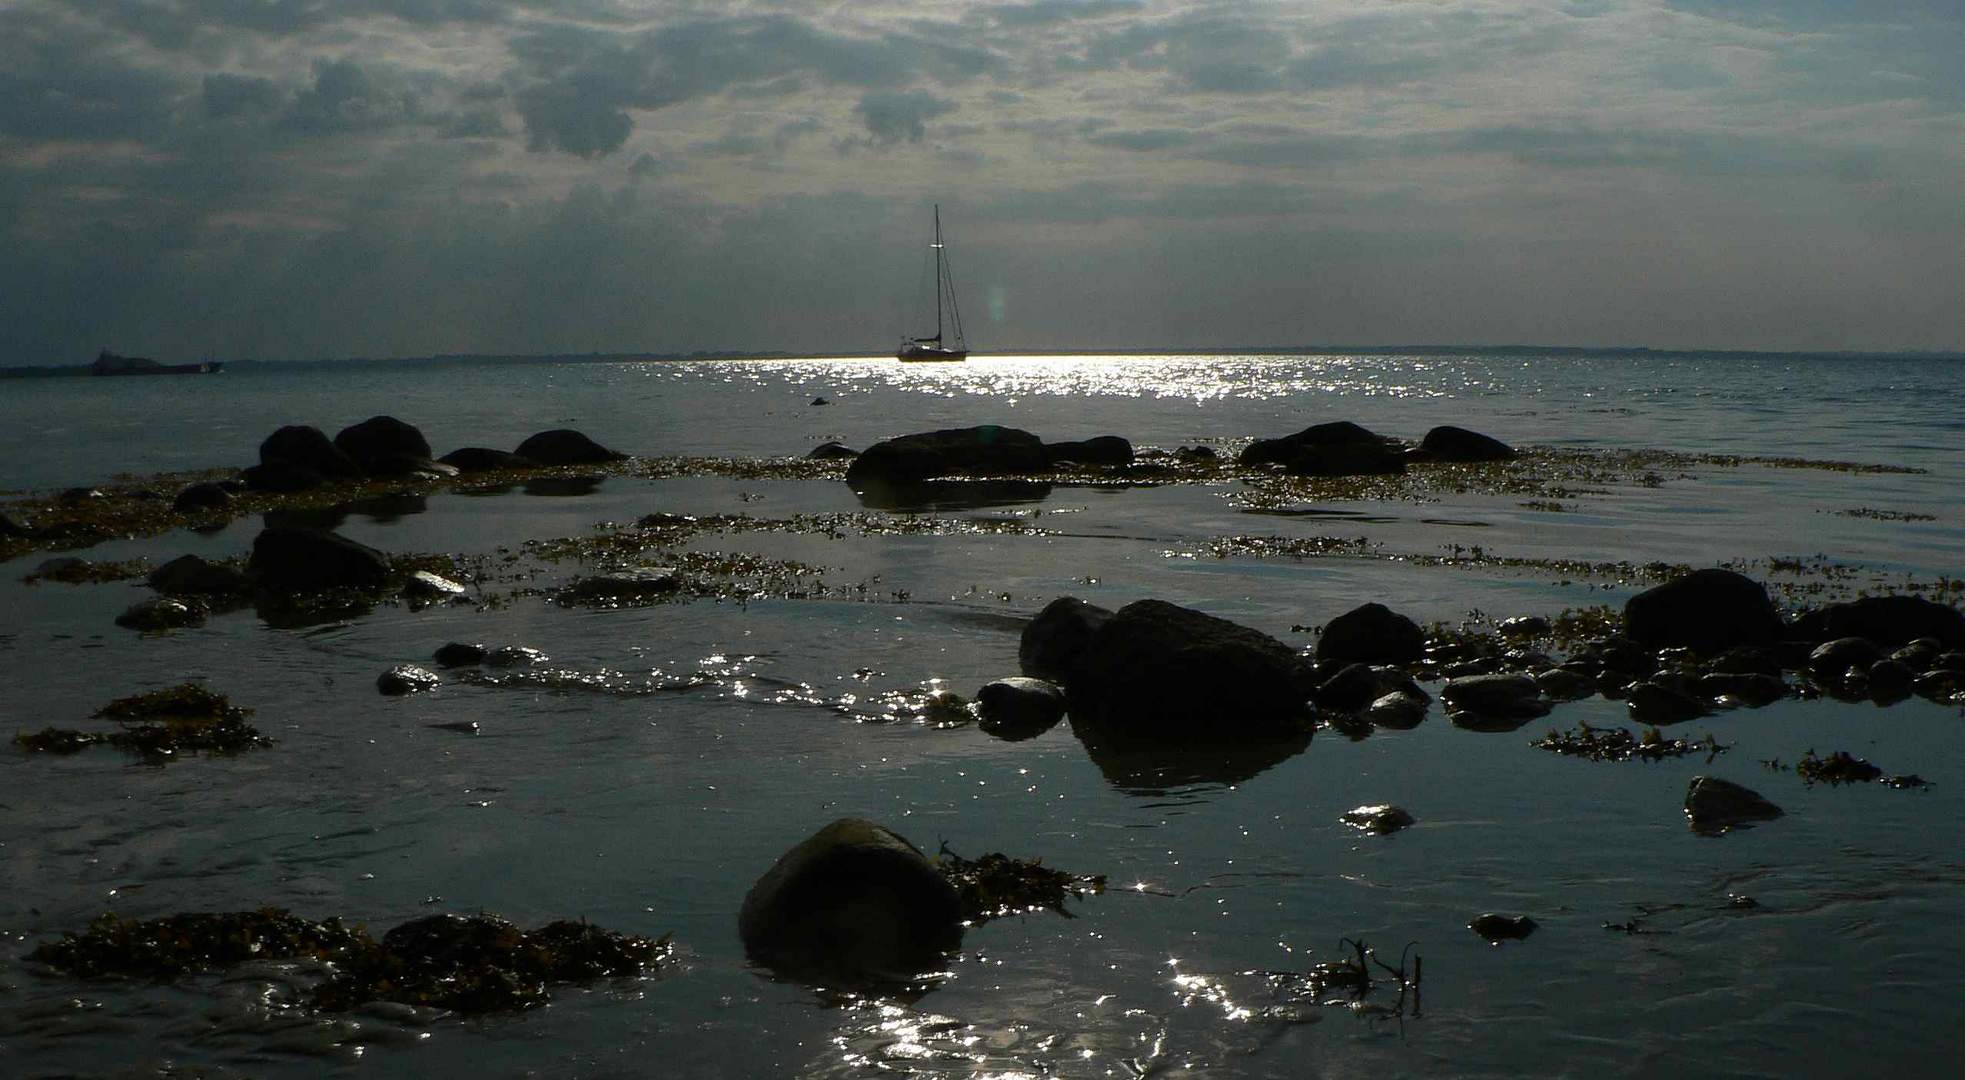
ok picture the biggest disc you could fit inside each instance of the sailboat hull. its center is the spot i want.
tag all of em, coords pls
(927, 353)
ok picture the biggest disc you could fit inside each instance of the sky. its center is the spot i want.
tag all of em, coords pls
(305, 178)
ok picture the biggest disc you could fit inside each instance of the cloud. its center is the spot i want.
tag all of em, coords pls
(900, 116)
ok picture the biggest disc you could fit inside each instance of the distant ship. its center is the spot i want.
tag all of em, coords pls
(108, 363)
(935, 348)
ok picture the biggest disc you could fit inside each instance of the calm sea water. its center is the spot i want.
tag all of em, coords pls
(653, 810)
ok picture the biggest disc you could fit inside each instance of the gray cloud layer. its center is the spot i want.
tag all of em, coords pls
(305, 177)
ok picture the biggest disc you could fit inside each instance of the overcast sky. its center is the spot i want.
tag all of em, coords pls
(291, 178)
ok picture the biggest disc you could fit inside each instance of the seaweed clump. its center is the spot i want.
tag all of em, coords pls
(476, 963)
(158, 725)
(1618, 744)
(1837, 768)
(996, 885)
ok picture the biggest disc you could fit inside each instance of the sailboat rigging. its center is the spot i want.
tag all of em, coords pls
(947, 342)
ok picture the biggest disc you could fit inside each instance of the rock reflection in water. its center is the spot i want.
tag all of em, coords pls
(1142, 765)
(320, 518)
(388, 507)
(951, 494)
(563, 486)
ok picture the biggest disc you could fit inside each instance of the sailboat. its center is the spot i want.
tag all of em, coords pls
(947, 342)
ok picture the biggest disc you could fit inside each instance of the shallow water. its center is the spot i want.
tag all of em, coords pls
(669, 753)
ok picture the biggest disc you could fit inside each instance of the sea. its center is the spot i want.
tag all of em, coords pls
(666, 755)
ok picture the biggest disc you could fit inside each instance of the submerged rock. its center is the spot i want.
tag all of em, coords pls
(853, 901)
(1378, 820)
(460, 654)
(641, 583)
(1397, 711)
(1018, 707)
(378, 443)
(190, 575)
(471, 459)
(564, 446)
(162, 613)
(515, 656)
(1054, 642)
(1372, 634)
(1448, 443)
(407, 679)
(1497, 928)
(1707, 611)
(307, 448)
(305, 559)
(1106, 450)
(1887, 620)
(199, 497)
(1502, 697)
(988, 450)
(832, 451)
(1713, 805)
(1656, 703)
(1158, 669)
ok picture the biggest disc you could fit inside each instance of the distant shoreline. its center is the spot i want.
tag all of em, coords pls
(1543, 351)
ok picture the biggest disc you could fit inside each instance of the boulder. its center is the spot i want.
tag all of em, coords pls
(407, 679)
(1397, 711)
(1349, 459)
(1887, 620)
(281, 477)
(1890, 679)
(639, 583)
(201, 497)
(1565, 684)
(1708, 611)
(1446, 443)
(1372, 634)
(1656, 703)
(1103, 450)
(1357, 686)
(472, 459)
(304, 559)
(1280, 451)
(189, 575)
(853, 901)
(832, 451)
(1831, 661)
(11, 526)
(376, 442)
(1497, 928)
(308, 448)
(988, 450)
(1511, 696)
(1158, 669)
(1713, 805)
(1750, 689)
(1018, 707)
(515, 656)
(1055, 640)
(162, 613)
(461, 654)
(1377, 820)
(1196, 454)
(563, 446)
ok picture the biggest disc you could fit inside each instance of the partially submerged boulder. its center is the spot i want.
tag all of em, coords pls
(472, 459)
(376, 443)
(832, 451)
(853, 901)
(1713, 805)
(1018, 707)
(1104, 450)
(461, 654)
(200, 497)
(302, 559)
(162, 613)
(310, 449)
(407, 679)
(1377, 820)
(1280, 451)
(564, 446)
(1372, 634)
(1158, 669)
(1502, 701)
(1448, 443)
(190, 575)
(1708, 611)
(988, 450)
(1886, 620)
(1054, 641)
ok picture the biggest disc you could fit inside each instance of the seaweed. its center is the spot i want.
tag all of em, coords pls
(1349, 981)
(159, 724)
(1836, 769)
(1618, 744)
(996, 885)
(165, 948)
(71, 571)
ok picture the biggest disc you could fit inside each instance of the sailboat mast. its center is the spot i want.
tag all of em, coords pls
(938, 273)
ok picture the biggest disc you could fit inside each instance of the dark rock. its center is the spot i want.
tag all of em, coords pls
(563, 446)
(1562, 684)
(1833, 660)
(1949, 661)
(281, 477)
(308, 448)
(1887, 620)
(1752, 690)
(1108, 450)
(1196, 454)
(14, 527)
(1503, 696)
(425, 585)
(1747, 660)
(1055, 641)
(460, 654)
(473, 459)
(1657, 703)
(201, 497)
(1397, 711)
(515, 656)
(988, 450)
(854, 901)
(1617, 654)
(1919, 654)
(1497, 928)
(640, 583)
(1707, 610)
(1357, 686)
(1713, 805)
(1448, 443)
(1938, 684)
(1372, 634)
(1157, 669)
(305, 559)
(407, 679)
(1359, 459)
(375, 442)
(413, 467)
(162, 613)
(1018, 707)
(832, 451)
(1377, 820)
(1523, 626)
(79, 496)
(67, 568)
(1890, 679)
(820, 401)
(189, 575)
(1282, 450)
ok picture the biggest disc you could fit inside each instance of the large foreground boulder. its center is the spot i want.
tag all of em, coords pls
(308, 448)
(380, 443)
(1055, 641)
(564, 446)
(1372, 634)
(988, 450)
(1707, 611)
(1280, 451)
(304, 559)
(1448, 443)
(1160, 670)
(1886, 620)
(853, 901)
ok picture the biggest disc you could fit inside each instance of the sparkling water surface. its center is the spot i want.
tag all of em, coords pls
(691, 743)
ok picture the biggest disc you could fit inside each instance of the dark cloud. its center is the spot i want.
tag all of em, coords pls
(229, 96)
(898, 116)
(345, 97)
(1041, 13)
